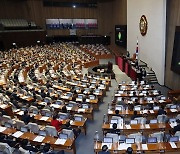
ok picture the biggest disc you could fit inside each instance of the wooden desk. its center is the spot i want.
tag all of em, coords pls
(160, 147)
(69, 144)
(145, 128)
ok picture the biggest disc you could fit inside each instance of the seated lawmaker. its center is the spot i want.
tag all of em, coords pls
(161, 110)
(26, 117)
(104, 150)
(56, 123)
(135, 115)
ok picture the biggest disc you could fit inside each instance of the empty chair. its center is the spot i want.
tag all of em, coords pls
(46, 112)
(38, 97)
(141, 120)
(51, 131)
(162, 118)
(5, 148)
(178, 117)
(23, 151)
(33, 109)
(59, 102)
(47, 100)
(34, 128)
(114, 136)
(137, 136)
(177, 134)
(50, 90)
(159, 136)
(70, 133)
(19, 124)
(6, 119)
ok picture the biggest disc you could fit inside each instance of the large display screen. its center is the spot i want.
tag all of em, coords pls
(121, 35)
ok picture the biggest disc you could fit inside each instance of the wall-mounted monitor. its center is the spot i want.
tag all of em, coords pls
(121, 35)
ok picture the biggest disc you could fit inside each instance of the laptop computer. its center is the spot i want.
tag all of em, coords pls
(63, 136)
(77, 118)
(174, 139)
(130, 140)
(108, 140)
(134, 122)
(114, 121)
(153, 121)
(152, 140)
(156, 108)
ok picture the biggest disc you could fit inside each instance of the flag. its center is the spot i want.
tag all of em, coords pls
(137, 50)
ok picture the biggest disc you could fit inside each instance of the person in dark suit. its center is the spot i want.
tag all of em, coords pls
(135, 115)
(104, 150)
(161, 110)
(29, 147)
(26, 117)
(114, 129)
(129, 150)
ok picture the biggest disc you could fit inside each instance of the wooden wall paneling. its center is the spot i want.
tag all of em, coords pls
(172, 80)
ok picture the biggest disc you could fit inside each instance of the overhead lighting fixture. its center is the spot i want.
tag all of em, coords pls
(74, 6)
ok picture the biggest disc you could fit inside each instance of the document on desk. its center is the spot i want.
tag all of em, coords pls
(44, 118)
(60, 141)
(3, 106)
(147, 126)
(123, 146)
(151, 111)
(144, 147)
(81, 110)
(69, 108)
(173, 110)
(161, 101)
(87, 100)
(20, 113)
(128, 126)
(109, 145)
(173, 145)
(39, 139)
(2, 129)
(17, 134)
(110, 111)
(55, 106)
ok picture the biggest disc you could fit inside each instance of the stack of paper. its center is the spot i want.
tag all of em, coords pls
(20, 112)
(69, 108)
(173, 145)
(128, 126)
(81, 110)
(18, 134)
(123, 146)
(44, 118)
(60, 141)
(147, 126)
(2, 129)
(173, 110)
(144, 147)
(3, 106)
(39, 139)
